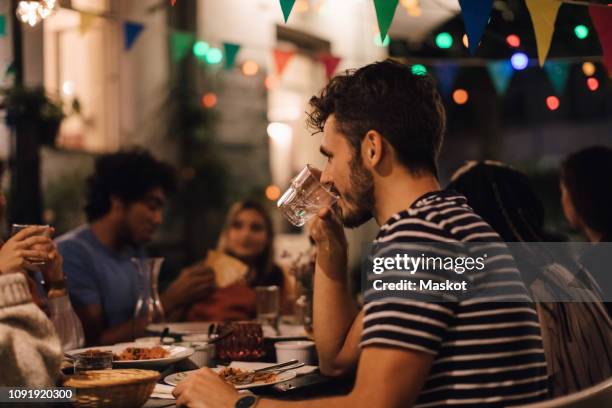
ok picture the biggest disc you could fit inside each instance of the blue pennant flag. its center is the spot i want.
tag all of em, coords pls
(501, 73)
(475, 18)
(131, 31)
(446, 77)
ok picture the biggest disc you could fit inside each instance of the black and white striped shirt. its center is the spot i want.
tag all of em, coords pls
(488, 349)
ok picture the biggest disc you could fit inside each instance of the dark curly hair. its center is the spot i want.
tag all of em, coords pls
(582, 174)
(129, 175)
(387, 97)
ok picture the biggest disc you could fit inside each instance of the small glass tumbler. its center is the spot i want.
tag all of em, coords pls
(36, 262)
(93, 360)
(305, 197)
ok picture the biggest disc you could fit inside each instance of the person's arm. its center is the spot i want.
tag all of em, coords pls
(399, 373)
(87, 299)
(336, 322)
(192, 284)
(31, 352)
(92, 317)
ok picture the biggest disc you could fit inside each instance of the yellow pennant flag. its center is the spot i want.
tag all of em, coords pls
(543, 15)
(86, 22)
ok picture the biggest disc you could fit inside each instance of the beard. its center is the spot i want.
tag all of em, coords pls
(360, 198)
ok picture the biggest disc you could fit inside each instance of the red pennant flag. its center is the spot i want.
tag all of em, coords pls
(602, 20)
(331, 63)
(172, 2)
(281, 59)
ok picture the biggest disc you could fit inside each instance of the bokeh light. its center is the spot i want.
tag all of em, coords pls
(250, 68)
(552, 102)
(444, 40)
(419, 69)
(273, 193)
(592, 84)
(581, 31)
(588, 68)
(214, 56)
(513, 40)
(209, 100)
(460, 96)
(519, 61)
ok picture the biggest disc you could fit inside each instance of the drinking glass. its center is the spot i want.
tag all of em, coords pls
(246, 341)
(305, 197)
(267, 302)
(93, 360)
(37, 262)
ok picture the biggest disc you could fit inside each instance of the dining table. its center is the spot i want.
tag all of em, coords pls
(321, 386)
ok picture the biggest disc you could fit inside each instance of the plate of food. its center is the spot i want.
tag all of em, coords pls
(241, 379)
(135, 355)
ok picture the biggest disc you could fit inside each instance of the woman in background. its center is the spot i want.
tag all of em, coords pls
(577, 335)
(586, 197)
(247, 236)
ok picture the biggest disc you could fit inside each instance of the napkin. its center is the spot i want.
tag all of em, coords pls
(163, 391)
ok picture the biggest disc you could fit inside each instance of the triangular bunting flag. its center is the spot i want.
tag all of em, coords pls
(446, 77)
(281, 59)
(331, 63)
(181, 42)
(501, 73)
(557, 73)
(2, 25)
(10, 69)
(231, 50)
(385, 10)
(475, 18)
(86, 22)
(543, 15)
(287, 6)
(172, 3)
(131, 31)
(602, 20)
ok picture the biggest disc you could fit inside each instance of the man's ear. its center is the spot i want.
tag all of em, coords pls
(372, 149)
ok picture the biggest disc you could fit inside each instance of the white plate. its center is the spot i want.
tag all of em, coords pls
(177, 353)
(180, 327)
(176, 378)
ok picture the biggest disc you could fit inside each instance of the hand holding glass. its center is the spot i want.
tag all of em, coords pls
(305, 197)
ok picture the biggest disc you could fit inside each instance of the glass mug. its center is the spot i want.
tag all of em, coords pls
(245, 343)
(305, 197)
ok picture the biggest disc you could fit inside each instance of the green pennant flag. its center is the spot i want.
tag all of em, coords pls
(181, 42)
(10, 69)
(501, 73)
(231, 50)
(2, 25)
(557, 73)
(287, 6)
(385, 10)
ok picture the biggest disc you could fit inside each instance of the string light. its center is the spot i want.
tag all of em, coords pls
(588, 68)
(32, 12)
(273, 193)
(301, 6)
(460, 96)
(444, 40)
(209, 100)
(465, 41)
(279, 131)
(552, 102)
(214, 56)
(581, 31)
(519, 61)
(513, 40)
(250, 68)
(200, 49)
(418, 69)
(68, 88)
(592, 84)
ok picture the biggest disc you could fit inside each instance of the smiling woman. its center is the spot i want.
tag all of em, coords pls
(246, 239)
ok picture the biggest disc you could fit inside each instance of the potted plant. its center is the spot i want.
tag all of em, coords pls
(31, 107)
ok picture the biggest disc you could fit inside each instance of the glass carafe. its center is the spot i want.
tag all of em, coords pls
(148, 307)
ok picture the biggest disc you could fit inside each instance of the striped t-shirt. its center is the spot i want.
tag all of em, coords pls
(487, 348)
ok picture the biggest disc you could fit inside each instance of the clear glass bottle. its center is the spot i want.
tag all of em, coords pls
(148, 307)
